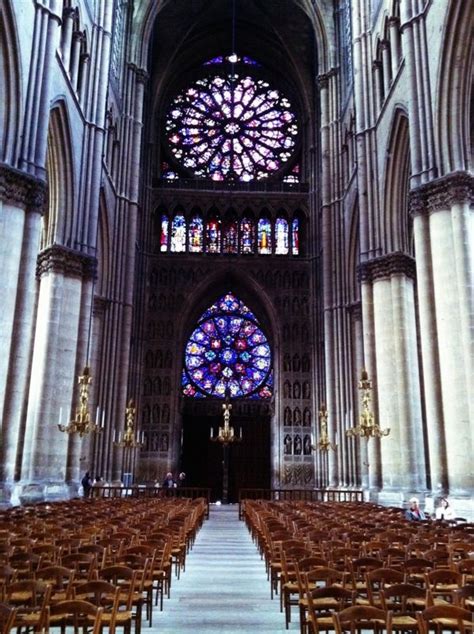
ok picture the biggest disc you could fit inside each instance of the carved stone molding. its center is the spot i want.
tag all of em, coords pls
(355, 311)
(387, 265)
(323, 79)
(71, 263)
(442, 193)
(21, 189)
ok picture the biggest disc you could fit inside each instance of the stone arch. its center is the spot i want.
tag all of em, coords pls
(396, 233)
(455, 79)
(11, 101)
(58, 221)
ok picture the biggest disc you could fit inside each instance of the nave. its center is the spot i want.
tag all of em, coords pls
(224, 587)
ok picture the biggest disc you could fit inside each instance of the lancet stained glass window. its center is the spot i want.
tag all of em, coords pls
(231, 125)
(164, 233)
(228, 351)
(178, 234)
(196, 232)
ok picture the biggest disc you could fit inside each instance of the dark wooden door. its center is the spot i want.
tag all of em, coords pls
(249, 460)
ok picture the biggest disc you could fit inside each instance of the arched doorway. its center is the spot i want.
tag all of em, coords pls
(249, 460)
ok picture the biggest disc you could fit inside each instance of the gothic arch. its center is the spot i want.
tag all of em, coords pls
(455, 73)
(396, 230)
(59, 217)
(10, 103)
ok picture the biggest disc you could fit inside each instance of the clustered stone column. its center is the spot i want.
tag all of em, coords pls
(396, 373)
(21, 203)
(54, 369)
(442, 212)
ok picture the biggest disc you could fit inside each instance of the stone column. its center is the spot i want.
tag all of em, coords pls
(397, 377)
(66, 35)
(443, 208)
(37, 103)
(429, 349)
(22, 198)
(77, 38)
(394, 30)
(53, 372)
(387, 69)
(379, 96)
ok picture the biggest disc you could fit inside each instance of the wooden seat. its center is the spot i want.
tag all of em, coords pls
(464, 597)
(321, 603)
(60, 579)
(77, 614)
(107, 596)
(377, 580)
(442, 583)
(360, 617)
(404, 600)
(446, 617)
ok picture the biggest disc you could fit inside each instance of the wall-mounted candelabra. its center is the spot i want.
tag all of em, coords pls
(129, 439)
(367, 427)
(81, 424)
(323, 444)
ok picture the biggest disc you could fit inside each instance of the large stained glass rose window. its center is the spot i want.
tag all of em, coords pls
(228, 351)
(231, 126)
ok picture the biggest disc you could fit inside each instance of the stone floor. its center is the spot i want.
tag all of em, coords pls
(224, 587)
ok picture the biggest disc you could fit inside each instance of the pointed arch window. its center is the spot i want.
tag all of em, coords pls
(165, 225)
(196, 234)
(178, 234)
(247, 235)
(228, 351)
(295, 236)
(213, 235)
(281, 236)
(231, 235)
(264, 236)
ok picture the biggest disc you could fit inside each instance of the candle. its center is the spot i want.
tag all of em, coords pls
(102, 424)
(312, 438)
(97, 415)
(212, 432)
(364, 376)
(241, 432)
(60, 415)
(115, 435)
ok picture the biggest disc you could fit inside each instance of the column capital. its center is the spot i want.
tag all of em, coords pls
(323, 79)
(442, 193)
(387, 265)
(21, 189)
(355, 310)
(100, 305)
(71, 263)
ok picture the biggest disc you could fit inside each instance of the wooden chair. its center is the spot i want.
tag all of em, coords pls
(360, 617)
(442, 583)
(130, 589)
(31, 598)
(403, 601)
(60, 579)
(446, 617)
(106, 596)
(321, 603)
(76, 614)
(7, 618)
(377, 580)
(464, 597)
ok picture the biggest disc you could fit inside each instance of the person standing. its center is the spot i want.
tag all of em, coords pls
(168, 482)
(86, 484)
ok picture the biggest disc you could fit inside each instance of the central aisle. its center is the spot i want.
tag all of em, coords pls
(224, 587)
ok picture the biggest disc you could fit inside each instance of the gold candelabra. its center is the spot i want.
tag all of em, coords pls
(129, 439)
(367, 427)
(82, 423)
(323, 444)
(226, 434)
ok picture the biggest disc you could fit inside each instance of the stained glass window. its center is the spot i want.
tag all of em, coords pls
(231, 126)
(228, 351)
(165, 223)
(246, 235)
(295, 236)
(213, 235)
(281, 236)
(264, 236)
(178, 234)
(196, 233)
(230, 237)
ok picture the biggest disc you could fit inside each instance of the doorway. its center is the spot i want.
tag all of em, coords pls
(249, 460)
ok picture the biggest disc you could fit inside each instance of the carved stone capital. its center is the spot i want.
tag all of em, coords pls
(71, 263)
(323, 79)
(21, 189)
(355, 311)
(100, 305)
(442, 193)
(142, 75)
(392, 264)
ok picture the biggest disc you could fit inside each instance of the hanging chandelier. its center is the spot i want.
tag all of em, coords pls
(367, 427)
